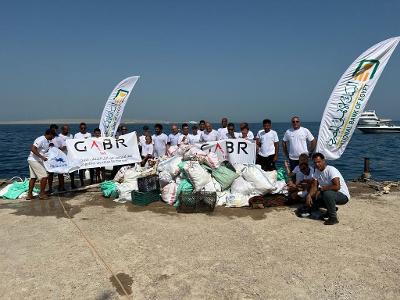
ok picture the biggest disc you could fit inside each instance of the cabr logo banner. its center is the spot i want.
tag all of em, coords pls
(115, 105)
(236, 151)
(105, 151)
(349, 98)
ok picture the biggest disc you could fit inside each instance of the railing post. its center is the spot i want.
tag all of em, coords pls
(367, 174)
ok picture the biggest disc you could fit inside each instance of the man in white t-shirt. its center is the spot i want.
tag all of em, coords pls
(173, 137)
(142, 138)
(184, 136)
(209, 134)
(296, 138)
(65, 135)
(328, 188)
(194, 138)
(37, 170)
(224, 128)
(160, 141)
(230, 134)
(59, 143)
(245, 132)
(268, 147)
(202, 126)
(299, 187)
(83, 134)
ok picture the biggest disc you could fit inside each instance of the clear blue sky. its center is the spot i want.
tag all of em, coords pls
(197, 59)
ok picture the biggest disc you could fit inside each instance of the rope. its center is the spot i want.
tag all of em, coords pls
(93, 248)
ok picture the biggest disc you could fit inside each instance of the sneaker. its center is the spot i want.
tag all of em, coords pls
(325, 215)
(331, 221)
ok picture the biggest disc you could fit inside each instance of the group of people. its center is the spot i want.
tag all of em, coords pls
(321, 185)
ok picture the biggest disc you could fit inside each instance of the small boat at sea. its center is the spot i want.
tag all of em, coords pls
(370, 123)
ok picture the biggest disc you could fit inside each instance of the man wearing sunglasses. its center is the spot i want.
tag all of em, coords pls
(295, 142)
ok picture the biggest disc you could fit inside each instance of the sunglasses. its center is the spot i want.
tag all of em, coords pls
(295, 121)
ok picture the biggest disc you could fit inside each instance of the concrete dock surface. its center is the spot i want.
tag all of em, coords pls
(234, 253)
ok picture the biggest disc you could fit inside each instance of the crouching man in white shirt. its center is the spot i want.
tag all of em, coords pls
(327, 189)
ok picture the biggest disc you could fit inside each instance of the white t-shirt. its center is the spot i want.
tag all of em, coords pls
(184, 139)
(42, 145)
(65, 137)
(173, 139)
(194, 139)
(250, 135)
(80, 135)
(300, 176)
(160, 144)
(297, 141)
(222, 131)
(142, 140)
(209, 136)
(58, 142)
(267, 140)
(226, 136)
(147, 149)
(325, 177)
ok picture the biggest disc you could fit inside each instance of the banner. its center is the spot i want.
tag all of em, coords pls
(236, 151)
(58, 162)
(349, 98)
(104, 151)
(115, 105)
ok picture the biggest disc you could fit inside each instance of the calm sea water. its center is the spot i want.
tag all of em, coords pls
(382, 149)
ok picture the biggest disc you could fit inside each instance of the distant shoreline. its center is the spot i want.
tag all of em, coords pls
(96, 121)
(77, 121)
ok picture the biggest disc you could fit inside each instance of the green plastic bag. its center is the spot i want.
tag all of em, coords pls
(109, 189)
(18, 188)
(224, 176)
(185, 186)
(281, 175)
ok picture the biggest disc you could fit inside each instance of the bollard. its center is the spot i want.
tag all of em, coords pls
(367, 174)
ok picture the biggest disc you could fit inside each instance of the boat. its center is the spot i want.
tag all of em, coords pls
(370, 123)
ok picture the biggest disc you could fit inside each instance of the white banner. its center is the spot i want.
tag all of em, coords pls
(58, 162)
(104, 151)
(115, 105)
(349, 98)
(236, 151)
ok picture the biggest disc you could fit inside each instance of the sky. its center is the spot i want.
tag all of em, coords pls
(247, 60)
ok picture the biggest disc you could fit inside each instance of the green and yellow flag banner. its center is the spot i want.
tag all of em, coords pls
(349, 98)
(112, 112)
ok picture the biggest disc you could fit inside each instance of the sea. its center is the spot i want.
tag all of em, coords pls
(381, 149)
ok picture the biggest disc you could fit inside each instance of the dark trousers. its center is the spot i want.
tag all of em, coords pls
(293, 164)
(266, 163)
(329, 199)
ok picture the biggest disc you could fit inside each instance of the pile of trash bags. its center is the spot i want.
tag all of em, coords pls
(17, 189)
(188, 169)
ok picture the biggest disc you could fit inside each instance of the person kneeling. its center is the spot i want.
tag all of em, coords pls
(327, 189)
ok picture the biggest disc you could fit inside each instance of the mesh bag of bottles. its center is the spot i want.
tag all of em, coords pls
(197, 202)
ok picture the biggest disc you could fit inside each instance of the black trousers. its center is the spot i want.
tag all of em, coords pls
(266, 163)
(329, 199)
